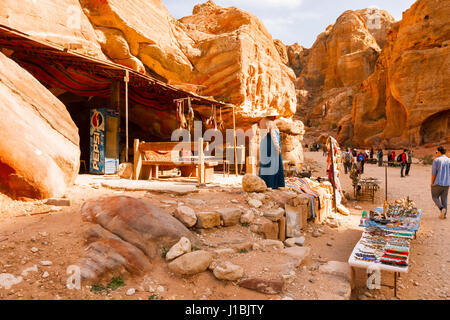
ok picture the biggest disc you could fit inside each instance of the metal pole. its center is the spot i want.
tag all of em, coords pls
(385, 182)
(234, 141)
(126, 79)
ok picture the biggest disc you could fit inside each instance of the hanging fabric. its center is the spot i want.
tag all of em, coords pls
(220, 124)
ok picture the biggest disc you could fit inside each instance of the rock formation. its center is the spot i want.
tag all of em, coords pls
(235, 62)
(406, 100)
(225, 53)
(291, 132)
(39, 143)
(238, 62)
(341, 58)
(61, 22)
(127, 236)
(380, 81)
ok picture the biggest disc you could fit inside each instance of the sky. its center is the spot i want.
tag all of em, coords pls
(293, 21)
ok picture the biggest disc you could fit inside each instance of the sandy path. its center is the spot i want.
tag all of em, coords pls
(430, 259)
(58, 237)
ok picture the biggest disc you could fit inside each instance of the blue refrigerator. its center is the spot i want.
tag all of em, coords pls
(104, 141)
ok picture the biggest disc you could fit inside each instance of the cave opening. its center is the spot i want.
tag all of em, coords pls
(436, 127)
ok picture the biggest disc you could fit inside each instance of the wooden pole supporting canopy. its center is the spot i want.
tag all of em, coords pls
(332, 173)
(234, 142)
(126, 79)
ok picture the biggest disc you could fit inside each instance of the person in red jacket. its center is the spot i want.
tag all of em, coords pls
(403, 161)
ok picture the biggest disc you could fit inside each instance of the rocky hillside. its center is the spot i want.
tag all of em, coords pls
(339, 61)
(235, 61)
(226, 51)
(407, 100)
(381, 80)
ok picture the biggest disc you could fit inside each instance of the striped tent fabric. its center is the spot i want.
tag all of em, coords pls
(73, 80)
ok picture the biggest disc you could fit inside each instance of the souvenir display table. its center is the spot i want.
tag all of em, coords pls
(366, 188)
(385, 244)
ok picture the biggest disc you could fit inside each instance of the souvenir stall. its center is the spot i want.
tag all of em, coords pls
(386, 241)
(366, 188)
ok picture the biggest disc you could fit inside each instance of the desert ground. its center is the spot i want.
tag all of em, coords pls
(31, 232)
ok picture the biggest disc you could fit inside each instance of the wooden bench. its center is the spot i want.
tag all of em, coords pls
(150, 157)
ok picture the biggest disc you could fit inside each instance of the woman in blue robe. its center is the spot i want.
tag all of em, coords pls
(271, 162)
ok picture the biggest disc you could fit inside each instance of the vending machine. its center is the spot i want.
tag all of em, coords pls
(104, 141)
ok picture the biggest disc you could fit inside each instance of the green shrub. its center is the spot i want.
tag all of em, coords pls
(164, 251)
(116, 282)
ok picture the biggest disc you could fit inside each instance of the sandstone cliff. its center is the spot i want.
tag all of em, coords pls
(61, 22)
(39, 143)
(339, 61)
(237, 60)
(406, 100)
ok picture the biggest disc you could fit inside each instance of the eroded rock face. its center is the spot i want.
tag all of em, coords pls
(39, 143)
(343, 55)
(237, 59)
(62, 22)
(297, 57)
(340, 60)
(139, 31)
(227, 51)
(406, 100)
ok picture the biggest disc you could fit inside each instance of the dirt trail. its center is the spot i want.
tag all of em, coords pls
(57, 236)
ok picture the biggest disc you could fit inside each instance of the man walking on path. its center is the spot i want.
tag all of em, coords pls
(347, 157)
(408, 162)
(440, 180)
(380, 157)
(403, 159)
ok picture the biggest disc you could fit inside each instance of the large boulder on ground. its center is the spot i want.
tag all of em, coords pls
(108, 256)
(252, 183)
(263, 285)
(230, 216)
(191, 263)
(300, 254)
(208, 220)
(39, 142)
(228, 271)
(137, 222)
(181, 247)
(186, 215)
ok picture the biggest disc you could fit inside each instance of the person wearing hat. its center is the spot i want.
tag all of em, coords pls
(271, 162)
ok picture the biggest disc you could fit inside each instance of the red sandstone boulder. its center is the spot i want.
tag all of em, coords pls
(39, 143)
(137, 222)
